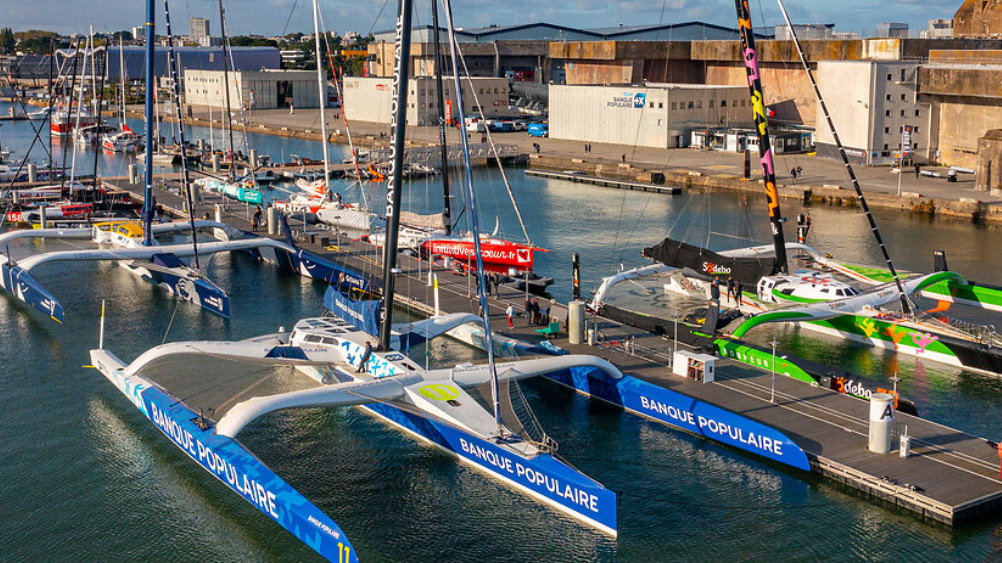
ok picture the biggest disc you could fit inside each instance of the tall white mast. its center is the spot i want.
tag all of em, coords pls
(321, 87)
(121, 76)
(76, 127)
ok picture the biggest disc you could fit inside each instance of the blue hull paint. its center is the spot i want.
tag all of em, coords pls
(22, 285)
(686, 413)
(197, 291)
(234, 466)
(542, 475)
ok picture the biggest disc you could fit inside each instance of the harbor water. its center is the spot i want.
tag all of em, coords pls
(85, 477)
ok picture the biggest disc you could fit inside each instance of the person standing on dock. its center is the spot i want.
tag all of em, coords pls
(624, 158)
(737, 292)
(730, 287)
(366, 354)
(256, 219)
(510, 313)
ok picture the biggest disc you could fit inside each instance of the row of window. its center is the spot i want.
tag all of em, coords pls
(915, 147)
(887, 113)
(698, 104)
(901, 129)
(904, 71)
(447, 92)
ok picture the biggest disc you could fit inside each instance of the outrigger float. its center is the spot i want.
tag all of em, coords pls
(203, 409)
(160, 264)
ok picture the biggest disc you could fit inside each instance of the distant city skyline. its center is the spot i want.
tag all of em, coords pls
(276, 17)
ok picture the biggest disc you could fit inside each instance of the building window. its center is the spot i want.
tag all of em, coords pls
(674, 105)
(723, 103)
(889, 76)
(743, 102)
(888, 97)
(652, 105)
(711, 104)
(887, 129)
(915, 146)
(902, 113)
(902, 97)
(885, 146)
(917, 113)
(691, 105)
(901, 129)
(887, 113)
(885, 153)
(661, 105)
(903, 75)
(915, 129)
(699, 104)
(660, 122)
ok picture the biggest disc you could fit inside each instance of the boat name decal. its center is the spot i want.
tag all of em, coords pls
(714, 426)
(715, 269)
(215, 463)
(551, 483)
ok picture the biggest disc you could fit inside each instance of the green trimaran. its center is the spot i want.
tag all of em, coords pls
(827, 295)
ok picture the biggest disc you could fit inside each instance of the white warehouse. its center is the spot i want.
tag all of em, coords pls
(257, 89)
(871, 103)
(655, 115)
(369, 99)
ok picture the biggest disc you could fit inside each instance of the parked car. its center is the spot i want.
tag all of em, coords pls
(539, 130)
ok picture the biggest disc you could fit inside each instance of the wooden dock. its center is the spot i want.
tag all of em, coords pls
(951, 477)
(606, 182)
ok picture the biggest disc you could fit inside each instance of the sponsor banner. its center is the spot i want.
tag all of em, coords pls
(508, 254)
(542, 475)
(239, 470)
(628, 100)
(311, 265)
(19, 283)
(363, 315)
(686, 413)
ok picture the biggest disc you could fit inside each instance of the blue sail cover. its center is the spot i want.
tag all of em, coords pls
(363, 315)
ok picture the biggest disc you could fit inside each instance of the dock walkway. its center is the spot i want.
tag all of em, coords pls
(951, 477)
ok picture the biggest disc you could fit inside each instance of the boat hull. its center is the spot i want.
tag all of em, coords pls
(542, 477)
(228, 461)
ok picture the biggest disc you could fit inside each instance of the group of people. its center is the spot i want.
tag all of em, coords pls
(533, 313)
(797, 172)
(587, 147)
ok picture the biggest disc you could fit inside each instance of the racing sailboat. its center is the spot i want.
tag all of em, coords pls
(335, 364)
(828, 296)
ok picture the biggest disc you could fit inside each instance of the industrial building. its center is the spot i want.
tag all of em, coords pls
(260, 89)
(370, 98)
(190, 58)
(654, 115)
(197, 29)
(872, 103)
(964, 89)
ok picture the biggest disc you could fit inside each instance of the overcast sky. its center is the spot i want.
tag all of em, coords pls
(274, 17)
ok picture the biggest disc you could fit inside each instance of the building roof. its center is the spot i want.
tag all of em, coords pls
(201, 58)
(685, 31)
(542, 31)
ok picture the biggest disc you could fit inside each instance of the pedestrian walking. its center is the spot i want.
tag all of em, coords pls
(535, 311)
(730, 287)
(366, 354)
(800, 172)
(510, 313)
(624, 158)
(256, 219)
(918, 169)
(737, 291)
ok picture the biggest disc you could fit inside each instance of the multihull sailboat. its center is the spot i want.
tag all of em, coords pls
(335, 364)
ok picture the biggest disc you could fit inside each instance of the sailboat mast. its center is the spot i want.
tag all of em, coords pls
(80, 104)
(226, 85)
(121, 77)
(323, 97)
(175, 75)
(443, 143)
(750, 57)
(394, 196)
(471, 201)
(148, 165)
(845, 160)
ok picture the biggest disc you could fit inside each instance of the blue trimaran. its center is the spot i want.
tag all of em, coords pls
(326, 356)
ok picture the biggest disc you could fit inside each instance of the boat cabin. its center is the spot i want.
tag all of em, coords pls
(804, 287)
(127, 234)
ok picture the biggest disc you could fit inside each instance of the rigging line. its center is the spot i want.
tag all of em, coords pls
(177, 304)
(905, 306)
(226, 86)
(490, 138)
(285, 28)
(344, 115)
(185, 180)
(379, 13)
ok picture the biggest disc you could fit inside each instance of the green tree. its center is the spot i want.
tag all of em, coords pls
(7, 41)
